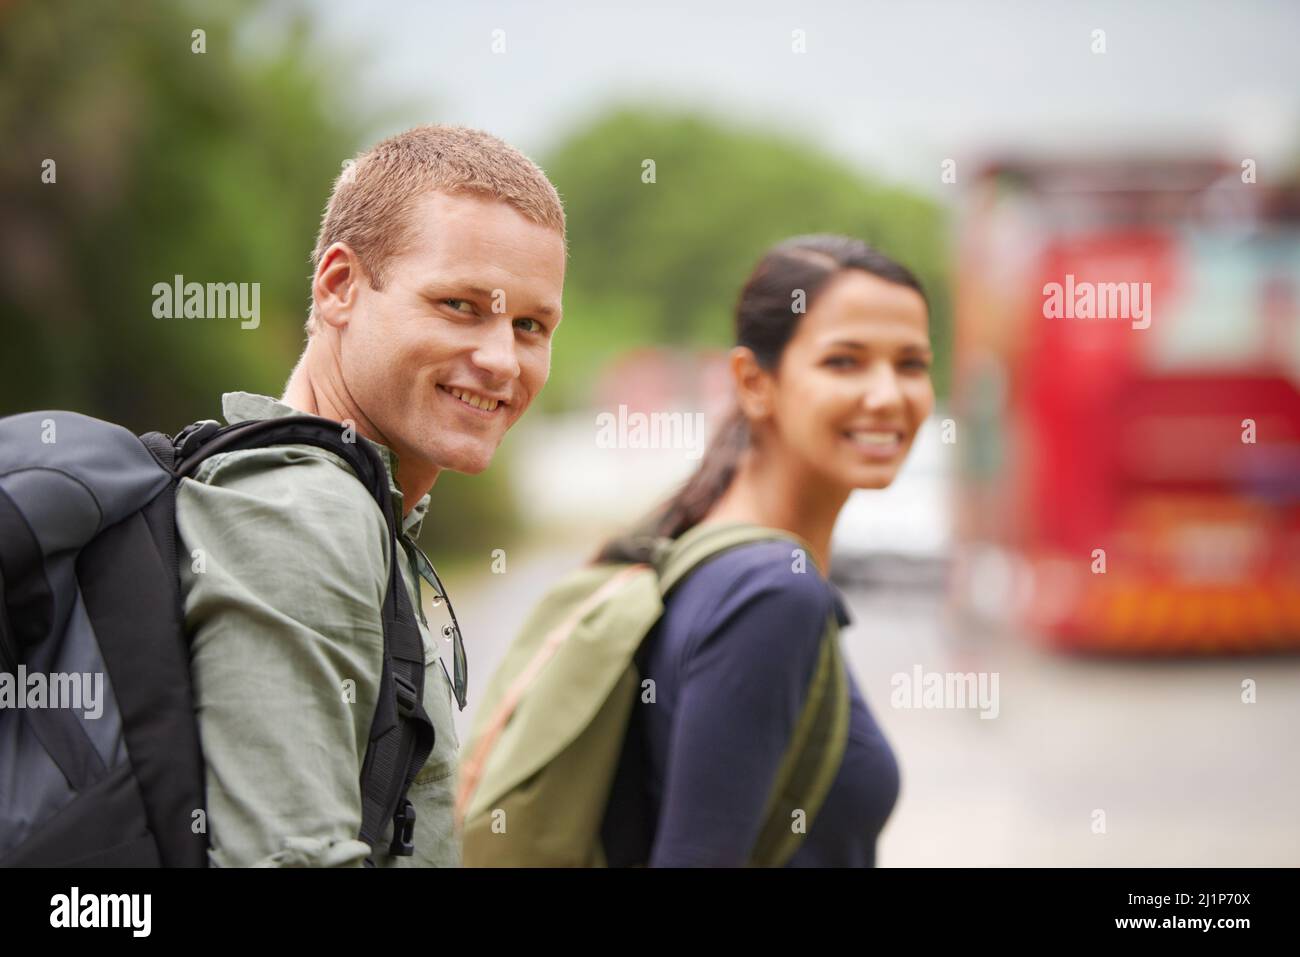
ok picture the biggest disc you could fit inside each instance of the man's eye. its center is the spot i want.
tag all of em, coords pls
(916, 365)
(535, 327)
(839, 362)
(457, 304)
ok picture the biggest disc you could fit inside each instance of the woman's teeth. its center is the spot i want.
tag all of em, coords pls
(878, 438)
(874, 439)
(477, 401)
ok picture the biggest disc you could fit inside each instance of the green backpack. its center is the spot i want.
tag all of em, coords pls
(537, 770)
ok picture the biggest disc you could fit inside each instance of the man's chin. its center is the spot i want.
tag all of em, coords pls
(467, 461)
(470, 469)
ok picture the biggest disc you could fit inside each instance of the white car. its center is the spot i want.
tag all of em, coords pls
(904, 533)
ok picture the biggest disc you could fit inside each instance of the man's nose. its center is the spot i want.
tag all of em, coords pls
(882, 391)
(495, 351)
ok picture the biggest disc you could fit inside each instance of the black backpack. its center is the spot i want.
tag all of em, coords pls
(89, 584)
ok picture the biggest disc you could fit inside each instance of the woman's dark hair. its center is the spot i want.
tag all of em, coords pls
(766, 320)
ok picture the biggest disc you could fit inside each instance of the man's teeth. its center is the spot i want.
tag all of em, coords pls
(478, 401)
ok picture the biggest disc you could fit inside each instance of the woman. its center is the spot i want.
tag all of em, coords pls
(831, 374)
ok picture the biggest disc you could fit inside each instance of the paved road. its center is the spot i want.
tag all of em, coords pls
(1185, 773)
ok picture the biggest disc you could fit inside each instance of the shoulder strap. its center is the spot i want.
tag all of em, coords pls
(677, 558)
(401, 734)
(812, 759)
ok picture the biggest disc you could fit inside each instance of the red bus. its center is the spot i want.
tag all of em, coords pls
(1127, 353)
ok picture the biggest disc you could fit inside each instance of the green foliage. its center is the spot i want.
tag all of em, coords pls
(211, 165)
(662, 262)
(470, 515)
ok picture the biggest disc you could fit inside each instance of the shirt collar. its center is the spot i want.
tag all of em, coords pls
(244, 406)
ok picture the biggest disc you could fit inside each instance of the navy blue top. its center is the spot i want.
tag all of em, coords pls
(731, 661)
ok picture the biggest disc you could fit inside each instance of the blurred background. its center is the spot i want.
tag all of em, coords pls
(992, 147)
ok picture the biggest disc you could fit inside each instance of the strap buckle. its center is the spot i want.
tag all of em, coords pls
(406, 699)
(403, 844)
(191, 438)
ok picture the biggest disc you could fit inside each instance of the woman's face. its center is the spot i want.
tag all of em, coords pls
(853, 384)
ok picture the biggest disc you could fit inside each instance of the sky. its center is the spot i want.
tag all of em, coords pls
(893, 88)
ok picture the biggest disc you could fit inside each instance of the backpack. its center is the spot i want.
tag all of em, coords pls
(89, 585)
(542, 757)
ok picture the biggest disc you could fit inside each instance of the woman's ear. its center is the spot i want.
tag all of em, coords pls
(753, 384)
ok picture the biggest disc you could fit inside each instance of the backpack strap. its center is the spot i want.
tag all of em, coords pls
(812, 759)
(817, 745)
(26, 602)
(677, 558)
(8, 647)
(401, 734)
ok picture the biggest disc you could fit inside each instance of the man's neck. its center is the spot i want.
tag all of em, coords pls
(316, 387)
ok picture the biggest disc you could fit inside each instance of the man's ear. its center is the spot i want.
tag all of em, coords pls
(753, 383)
(336, 284)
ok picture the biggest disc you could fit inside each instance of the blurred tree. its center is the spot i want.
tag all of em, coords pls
(663, 262)
(211, 165)
(214, 166)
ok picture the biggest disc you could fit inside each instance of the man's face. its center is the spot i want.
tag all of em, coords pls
(452, 350)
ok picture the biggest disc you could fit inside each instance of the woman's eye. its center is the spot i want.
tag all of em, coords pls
(457, 304)
(535, 327)
(839, 362)
(916, 365)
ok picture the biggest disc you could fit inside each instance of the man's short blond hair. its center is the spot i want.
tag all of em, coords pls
(370, 206)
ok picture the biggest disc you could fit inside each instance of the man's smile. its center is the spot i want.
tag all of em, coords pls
(477, 401)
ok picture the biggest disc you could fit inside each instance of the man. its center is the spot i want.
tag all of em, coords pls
(438, 276)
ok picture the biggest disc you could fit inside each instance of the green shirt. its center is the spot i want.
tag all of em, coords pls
(284, 564)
